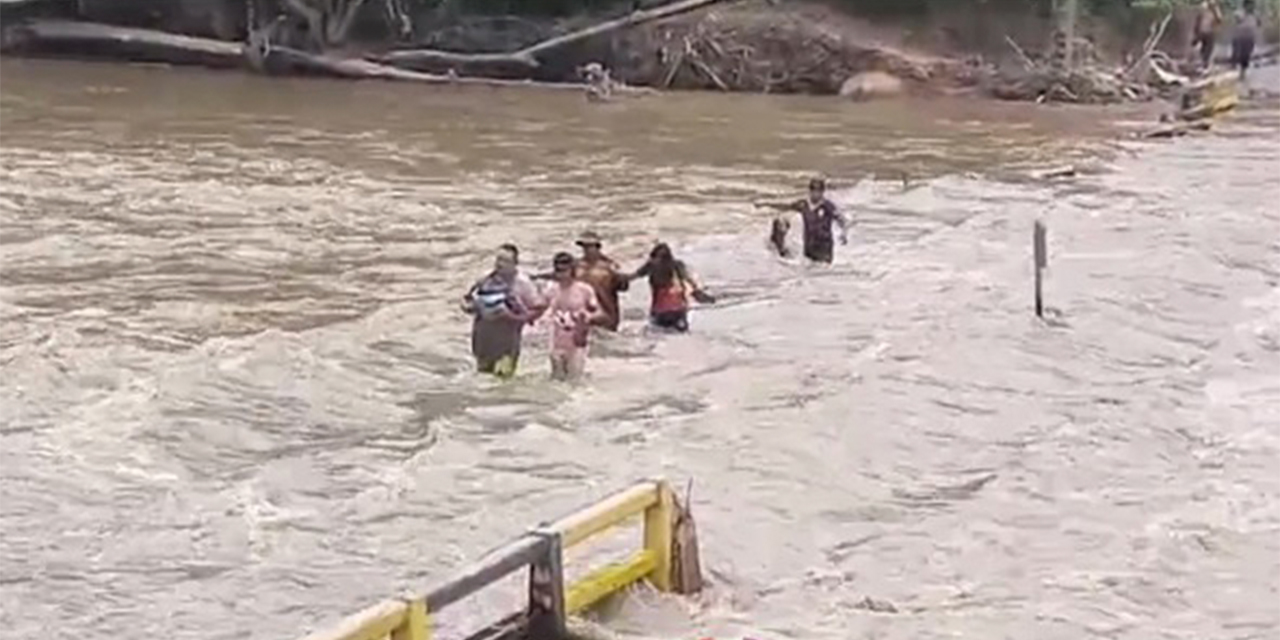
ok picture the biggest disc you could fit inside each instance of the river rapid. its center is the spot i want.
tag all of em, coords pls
(236, 399)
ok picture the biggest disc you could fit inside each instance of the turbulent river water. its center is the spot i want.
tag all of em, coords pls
(236, 399)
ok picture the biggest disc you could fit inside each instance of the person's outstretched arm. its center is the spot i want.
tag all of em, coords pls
(697, 291)
(843, 222)
(468, 302)
(595, 312)
(533, 301)
(778, 205)
(642, 272)
(618, 280)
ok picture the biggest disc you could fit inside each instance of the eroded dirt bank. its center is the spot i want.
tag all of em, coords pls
(749, 45)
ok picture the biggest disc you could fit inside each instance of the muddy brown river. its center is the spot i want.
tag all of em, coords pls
(236, 398)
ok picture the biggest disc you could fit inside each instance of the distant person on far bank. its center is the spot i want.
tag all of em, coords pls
(501, 304)
(1244, 35)
(670, 285)
(1204, 33)
(818, 215)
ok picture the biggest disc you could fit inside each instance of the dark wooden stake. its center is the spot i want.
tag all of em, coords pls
(546, 590)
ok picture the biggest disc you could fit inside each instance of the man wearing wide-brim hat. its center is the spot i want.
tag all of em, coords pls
(605, 276)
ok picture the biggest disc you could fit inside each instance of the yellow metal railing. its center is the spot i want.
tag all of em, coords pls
(1210, 96)
(550, 599)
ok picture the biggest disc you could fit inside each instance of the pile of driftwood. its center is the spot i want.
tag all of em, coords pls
(779, 52)
(1086, 79)
(1088, 82)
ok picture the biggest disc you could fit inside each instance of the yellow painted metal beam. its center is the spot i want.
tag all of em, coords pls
(417, 624)
(1211, 95)
(374, 623)
(607, 580)
(600, 516)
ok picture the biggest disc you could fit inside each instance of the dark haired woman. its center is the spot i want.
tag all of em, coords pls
(670, 285)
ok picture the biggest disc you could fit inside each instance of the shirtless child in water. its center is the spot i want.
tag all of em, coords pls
(572, 308)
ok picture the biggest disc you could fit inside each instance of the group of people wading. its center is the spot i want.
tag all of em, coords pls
(583, 292)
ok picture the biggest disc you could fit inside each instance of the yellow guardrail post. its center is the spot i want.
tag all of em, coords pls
(417, 624)
(659, 527)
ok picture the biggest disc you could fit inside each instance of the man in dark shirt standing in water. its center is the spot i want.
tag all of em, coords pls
(817, 215)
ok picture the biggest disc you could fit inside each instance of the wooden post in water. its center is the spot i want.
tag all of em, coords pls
(546, 612)
(1041, 262)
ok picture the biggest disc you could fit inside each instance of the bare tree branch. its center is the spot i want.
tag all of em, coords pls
(527, 57)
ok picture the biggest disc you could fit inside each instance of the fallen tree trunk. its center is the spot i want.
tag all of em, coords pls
(526, 59)
(67, 37)
(143, 45)
(294, 60)
(285, 58)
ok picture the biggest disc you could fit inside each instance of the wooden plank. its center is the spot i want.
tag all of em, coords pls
(374, 623)
(659, 524)
(608, 580)
(583, 524)
(494, 566)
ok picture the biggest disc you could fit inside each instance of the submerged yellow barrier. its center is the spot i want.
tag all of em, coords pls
(1210, 96)
(542, 550)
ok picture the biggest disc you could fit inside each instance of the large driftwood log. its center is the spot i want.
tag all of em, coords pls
(1176, 129)
(145, 45)
(294, 60)
(62, 36)
(527, 58)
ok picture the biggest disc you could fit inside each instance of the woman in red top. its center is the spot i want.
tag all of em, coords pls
(671, 285)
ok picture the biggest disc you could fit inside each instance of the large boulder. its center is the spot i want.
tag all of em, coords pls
(870, 84)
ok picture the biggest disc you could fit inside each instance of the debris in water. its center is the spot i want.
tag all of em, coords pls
(1068, 171)
(878, 606)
